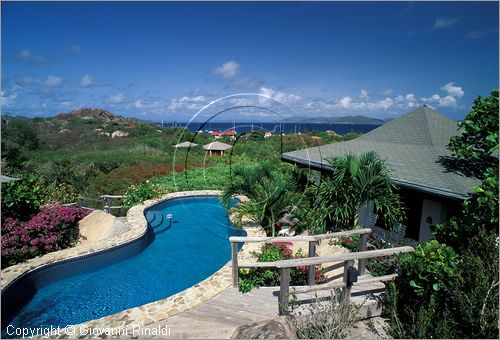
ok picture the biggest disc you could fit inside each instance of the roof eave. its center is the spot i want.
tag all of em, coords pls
(315, 165)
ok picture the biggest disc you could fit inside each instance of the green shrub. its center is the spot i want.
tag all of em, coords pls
(271, 252)
(58, 193)
(211, 178)
(22, 198)
(418, 303)
(428, 269)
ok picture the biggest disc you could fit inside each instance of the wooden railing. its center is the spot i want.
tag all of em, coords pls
(348, 260)
(107, 201)
(104, 202)
(313, 241)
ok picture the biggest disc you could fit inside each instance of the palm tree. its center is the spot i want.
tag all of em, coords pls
(243, 180)
(271, 192)
(356, 181)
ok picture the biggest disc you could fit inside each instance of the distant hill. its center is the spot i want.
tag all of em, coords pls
(96, 113)
(336, 120)
(91, 128)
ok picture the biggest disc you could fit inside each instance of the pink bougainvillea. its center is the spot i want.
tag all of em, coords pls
(55, 227)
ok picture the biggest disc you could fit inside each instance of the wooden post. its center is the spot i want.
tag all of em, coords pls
(346, 293)
(311, 273)
(234, 263)
(362, 247)
(104, 203)
(284, 290)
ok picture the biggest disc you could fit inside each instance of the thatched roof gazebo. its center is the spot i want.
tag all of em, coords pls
(185, 145)
(216, 148)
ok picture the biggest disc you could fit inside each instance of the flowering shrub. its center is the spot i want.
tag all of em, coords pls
(55, 227)
(270, 252)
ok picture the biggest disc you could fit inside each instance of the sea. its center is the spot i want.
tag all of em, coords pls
(286, 128)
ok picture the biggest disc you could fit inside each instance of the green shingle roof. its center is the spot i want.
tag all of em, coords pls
(414, 146)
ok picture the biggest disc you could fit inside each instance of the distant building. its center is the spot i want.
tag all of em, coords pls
(185, 145)
(216, 148)
(216, 134)
(230, 133)
(432, 186)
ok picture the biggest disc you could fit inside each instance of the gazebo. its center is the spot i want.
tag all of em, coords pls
(216, 148)
(185, 145)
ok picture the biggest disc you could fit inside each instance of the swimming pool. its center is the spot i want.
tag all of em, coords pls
(174, 254)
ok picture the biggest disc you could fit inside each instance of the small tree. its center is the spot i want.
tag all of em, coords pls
(466, 305)
(477, 143)
(356, 181)
(271, 192)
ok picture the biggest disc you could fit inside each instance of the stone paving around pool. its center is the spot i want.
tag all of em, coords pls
(154, 311)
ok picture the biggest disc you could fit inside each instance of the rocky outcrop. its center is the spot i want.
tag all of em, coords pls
(88, 113)
(278, 328)
(119, 133)
(99, 225)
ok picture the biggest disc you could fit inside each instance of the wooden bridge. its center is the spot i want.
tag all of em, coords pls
(221, 315)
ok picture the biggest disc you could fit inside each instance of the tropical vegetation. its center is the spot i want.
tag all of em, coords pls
(356, 181)
(449, 288)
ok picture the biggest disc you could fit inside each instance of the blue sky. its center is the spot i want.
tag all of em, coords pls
(162, 60)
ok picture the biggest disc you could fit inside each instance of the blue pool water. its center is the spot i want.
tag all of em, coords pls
(170, 258)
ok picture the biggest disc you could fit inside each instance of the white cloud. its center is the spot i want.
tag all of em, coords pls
(385, 103)
(410, 97)
(363, 93)
(345, 102)
(147, 104)
(453, 90)
(286, 98)
(443, 22)
(52, 81)
(448, 101)
(24, 54)
(242, 101)
(9, 97)
(437, 100)
(138, 104)
(187, 103)
(86, 80)
(28, 56)
(26, 81)
(228, 70)
(115, 99)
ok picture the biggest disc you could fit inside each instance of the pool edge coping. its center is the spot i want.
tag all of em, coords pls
(155, 311)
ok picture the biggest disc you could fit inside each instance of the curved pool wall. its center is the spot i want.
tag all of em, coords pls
(148, 269)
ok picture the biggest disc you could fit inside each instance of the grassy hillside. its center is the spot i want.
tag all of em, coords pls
(93, 152)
